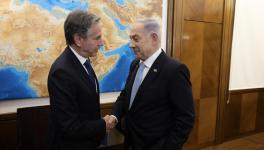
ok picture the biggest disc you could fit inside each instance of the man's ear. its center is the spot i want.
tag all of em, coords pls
(77, 39)
(154, 36)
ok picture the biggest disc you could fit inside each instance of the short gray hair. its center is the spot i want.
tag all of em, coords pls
(151, 26)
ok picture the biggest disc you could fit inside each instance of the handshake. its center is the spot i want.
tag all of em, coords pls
(110, 122)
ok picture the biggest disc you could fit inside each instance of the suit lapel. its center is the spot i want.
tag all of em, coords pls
(77, 66)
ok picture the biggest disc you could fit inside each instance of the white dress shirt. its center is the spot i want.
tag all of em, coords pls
(149, 62)
(82, 60)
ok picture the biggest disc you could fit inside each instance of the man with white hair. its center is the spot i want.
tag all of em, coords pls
(157, 100)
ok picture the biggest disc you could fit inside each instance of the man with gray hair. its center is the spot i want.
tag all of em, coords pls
(76, 123)
(157, 102)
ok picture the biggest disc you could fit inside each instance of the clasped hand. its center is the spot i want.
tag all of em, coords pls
(110, 122)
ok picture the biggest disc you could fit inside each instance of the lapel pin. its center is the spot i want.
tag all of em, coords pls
(155, 70)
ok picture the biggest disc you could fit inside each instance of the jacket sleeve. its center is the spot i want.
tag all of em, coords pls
(181, 100)
(65, 112)
(122, 101)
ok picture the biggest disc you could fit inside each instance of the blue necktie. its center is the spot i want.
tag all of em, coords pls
(90, 71)
(137, 82)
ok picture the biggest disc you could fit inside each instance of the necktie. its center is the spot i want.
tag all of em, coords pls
(90, 70)
(137, 82)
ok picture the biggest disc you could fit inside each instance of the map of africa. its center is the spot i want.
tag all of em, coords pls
(32, 37)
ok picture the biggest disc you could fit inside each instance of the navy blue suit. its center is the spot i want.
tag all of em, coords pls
(76, 123)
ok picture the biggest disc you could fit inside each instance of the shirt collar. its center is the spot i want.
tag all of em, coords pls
(148, 62)
(79, 57)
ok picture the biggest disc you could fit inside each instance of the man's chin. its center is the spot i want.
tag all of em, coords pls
(138, 56)
(93, 54)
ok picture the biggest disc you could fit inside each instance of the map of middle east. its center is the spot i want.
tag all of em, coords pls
(32, 37)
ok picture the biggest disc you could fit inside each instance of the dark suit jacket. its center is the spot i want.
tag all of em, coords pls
(75, 123)
(162, 114)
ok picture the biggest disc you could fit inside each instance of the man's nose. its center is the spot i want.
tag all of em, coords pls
(101, 42)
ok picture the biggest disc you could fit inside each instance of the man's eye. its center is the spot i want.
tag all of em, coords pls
(136, 40)
(98, 38)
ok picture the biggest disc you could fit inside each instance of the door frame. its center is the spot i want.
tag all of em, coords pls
(224, 95)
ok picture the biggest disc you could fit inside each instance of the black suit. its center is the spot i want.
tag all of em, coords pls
(76, 123)
(162, 114)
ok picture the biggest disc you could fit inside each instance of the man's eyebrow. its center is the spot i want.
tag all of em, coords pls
(134, 36)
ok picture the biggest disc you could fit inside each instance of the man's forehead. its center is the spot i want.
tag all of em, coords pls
(135, 32)
(95, 30)
(134, 35)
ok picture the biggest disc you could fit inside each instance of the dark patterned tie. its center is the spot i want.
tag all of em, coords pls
(90, 70)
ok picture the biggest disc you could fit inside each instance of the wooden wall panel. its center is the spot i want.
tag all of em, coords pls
(201, 52)
(8, 132)
(260, 112)
(32, 125)
(244, 114)
(33, 121)
(201, 49)
(231, 124)
(204, 10)
(106, 109)
(207, 120)
(192, 53)
(248, 112)
(211, 60)
(8, 129)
